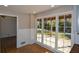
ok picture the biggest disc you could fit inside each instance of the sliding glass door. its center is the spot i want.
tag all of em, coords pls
(54, 32)
(49, 31)
(61, 34)
(39, 30)
(64, 33)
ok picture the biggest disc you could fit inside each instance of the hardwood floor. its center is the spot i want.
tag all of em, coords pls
(7, 43)
(34, 48)
(75, 49)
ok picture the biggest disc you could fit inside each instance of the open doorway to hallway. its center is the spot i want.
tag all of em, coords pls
(8, 32)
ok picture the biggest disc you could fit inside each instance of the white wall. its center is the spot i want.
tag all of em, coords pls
(24, 30)
(32, 27)
(7, 26)
(76, 18)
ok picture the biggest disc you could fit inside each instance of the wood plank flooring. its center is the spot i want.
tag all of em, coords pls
(7, 42)
(8, 45)
(34, 48)
(75, 49)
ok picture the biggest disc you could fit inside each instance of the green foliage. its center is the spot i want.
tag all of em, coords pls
(47, 26)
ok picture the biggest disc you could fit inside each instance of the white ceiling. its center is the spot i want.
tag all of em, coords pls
(26, 8)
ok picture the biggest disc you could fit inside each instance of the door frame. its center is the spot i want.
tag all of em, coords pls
(16, 23)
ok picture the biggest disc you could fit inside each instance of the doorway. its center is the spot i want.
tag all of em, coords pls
(8, 32)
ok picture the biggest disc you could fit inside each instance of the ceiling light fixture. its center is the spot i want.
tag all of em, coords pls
(34, 12)
(52, 5)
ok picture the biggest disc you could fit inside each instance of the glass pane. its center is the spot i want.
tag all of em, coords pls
(61, 32)
(61, 24)
(53, 35)
(47, 31)
(39, 29)
(68, 25)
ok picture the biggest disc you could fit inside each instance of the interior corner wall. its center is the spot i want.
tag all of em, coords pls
(23, 32)
(26, 30)
(33, 28)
